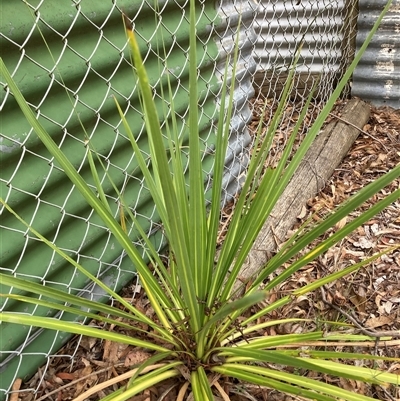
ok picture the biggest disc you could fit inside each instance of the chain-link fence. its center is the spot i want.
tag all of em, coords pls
(69, 59)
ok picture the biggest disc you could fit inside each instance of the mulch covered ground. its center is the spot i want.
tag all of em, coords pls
(368, 299)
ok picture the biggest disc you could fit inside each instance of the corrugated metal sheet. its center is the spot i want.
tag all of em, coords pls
(86, 66)
(377, 77)
(281, 27)
(236, 15)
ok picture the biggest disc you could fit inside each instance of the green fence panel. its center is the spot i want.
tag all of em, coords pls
(69, 59)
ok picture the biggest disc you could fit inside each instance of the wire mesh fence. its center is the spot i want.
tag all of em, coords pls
(70, 60)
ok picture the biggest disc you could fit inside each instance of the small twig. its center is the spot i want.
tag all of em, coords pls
(358, 129)
(367, 332)
(278, 241)
(115, 380)
(222, 230)
(317, 175)
(390, 397)
(57, 390)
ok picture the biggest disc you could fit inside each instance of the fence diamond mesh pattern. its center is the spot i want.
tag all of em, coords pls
(70, 59)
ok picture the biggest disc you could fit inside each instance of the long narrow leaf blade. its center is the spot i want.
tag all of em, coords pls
(76, 328)
(177, 238)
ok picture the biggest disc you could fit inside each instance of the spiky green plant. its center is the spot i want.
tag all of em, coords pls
(198, 334)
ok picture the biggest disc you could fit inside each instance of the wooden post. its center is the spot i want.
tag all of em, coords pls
(324, 155)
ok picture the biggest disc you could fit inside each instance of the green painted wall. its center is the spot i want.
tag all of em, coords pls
(69, 61)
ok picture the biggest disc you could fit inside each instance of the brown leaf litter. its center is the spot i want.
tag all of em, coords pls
(370, 297)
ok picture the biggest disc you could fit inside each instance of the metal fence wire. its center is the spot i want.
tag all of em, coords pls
(69, 59)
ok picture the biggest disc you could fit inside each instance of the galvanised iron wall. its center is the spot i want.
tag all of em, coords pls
(377, 76)
(231, 15)
(69, 59)
(324, 28)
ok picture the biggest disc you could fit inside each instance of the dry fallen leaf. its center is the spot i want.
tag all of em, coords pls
(380, 321)
(364, 243)
(84, 384)
(302, 213)
(135, 357)
(340, 224)
(65, 376)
